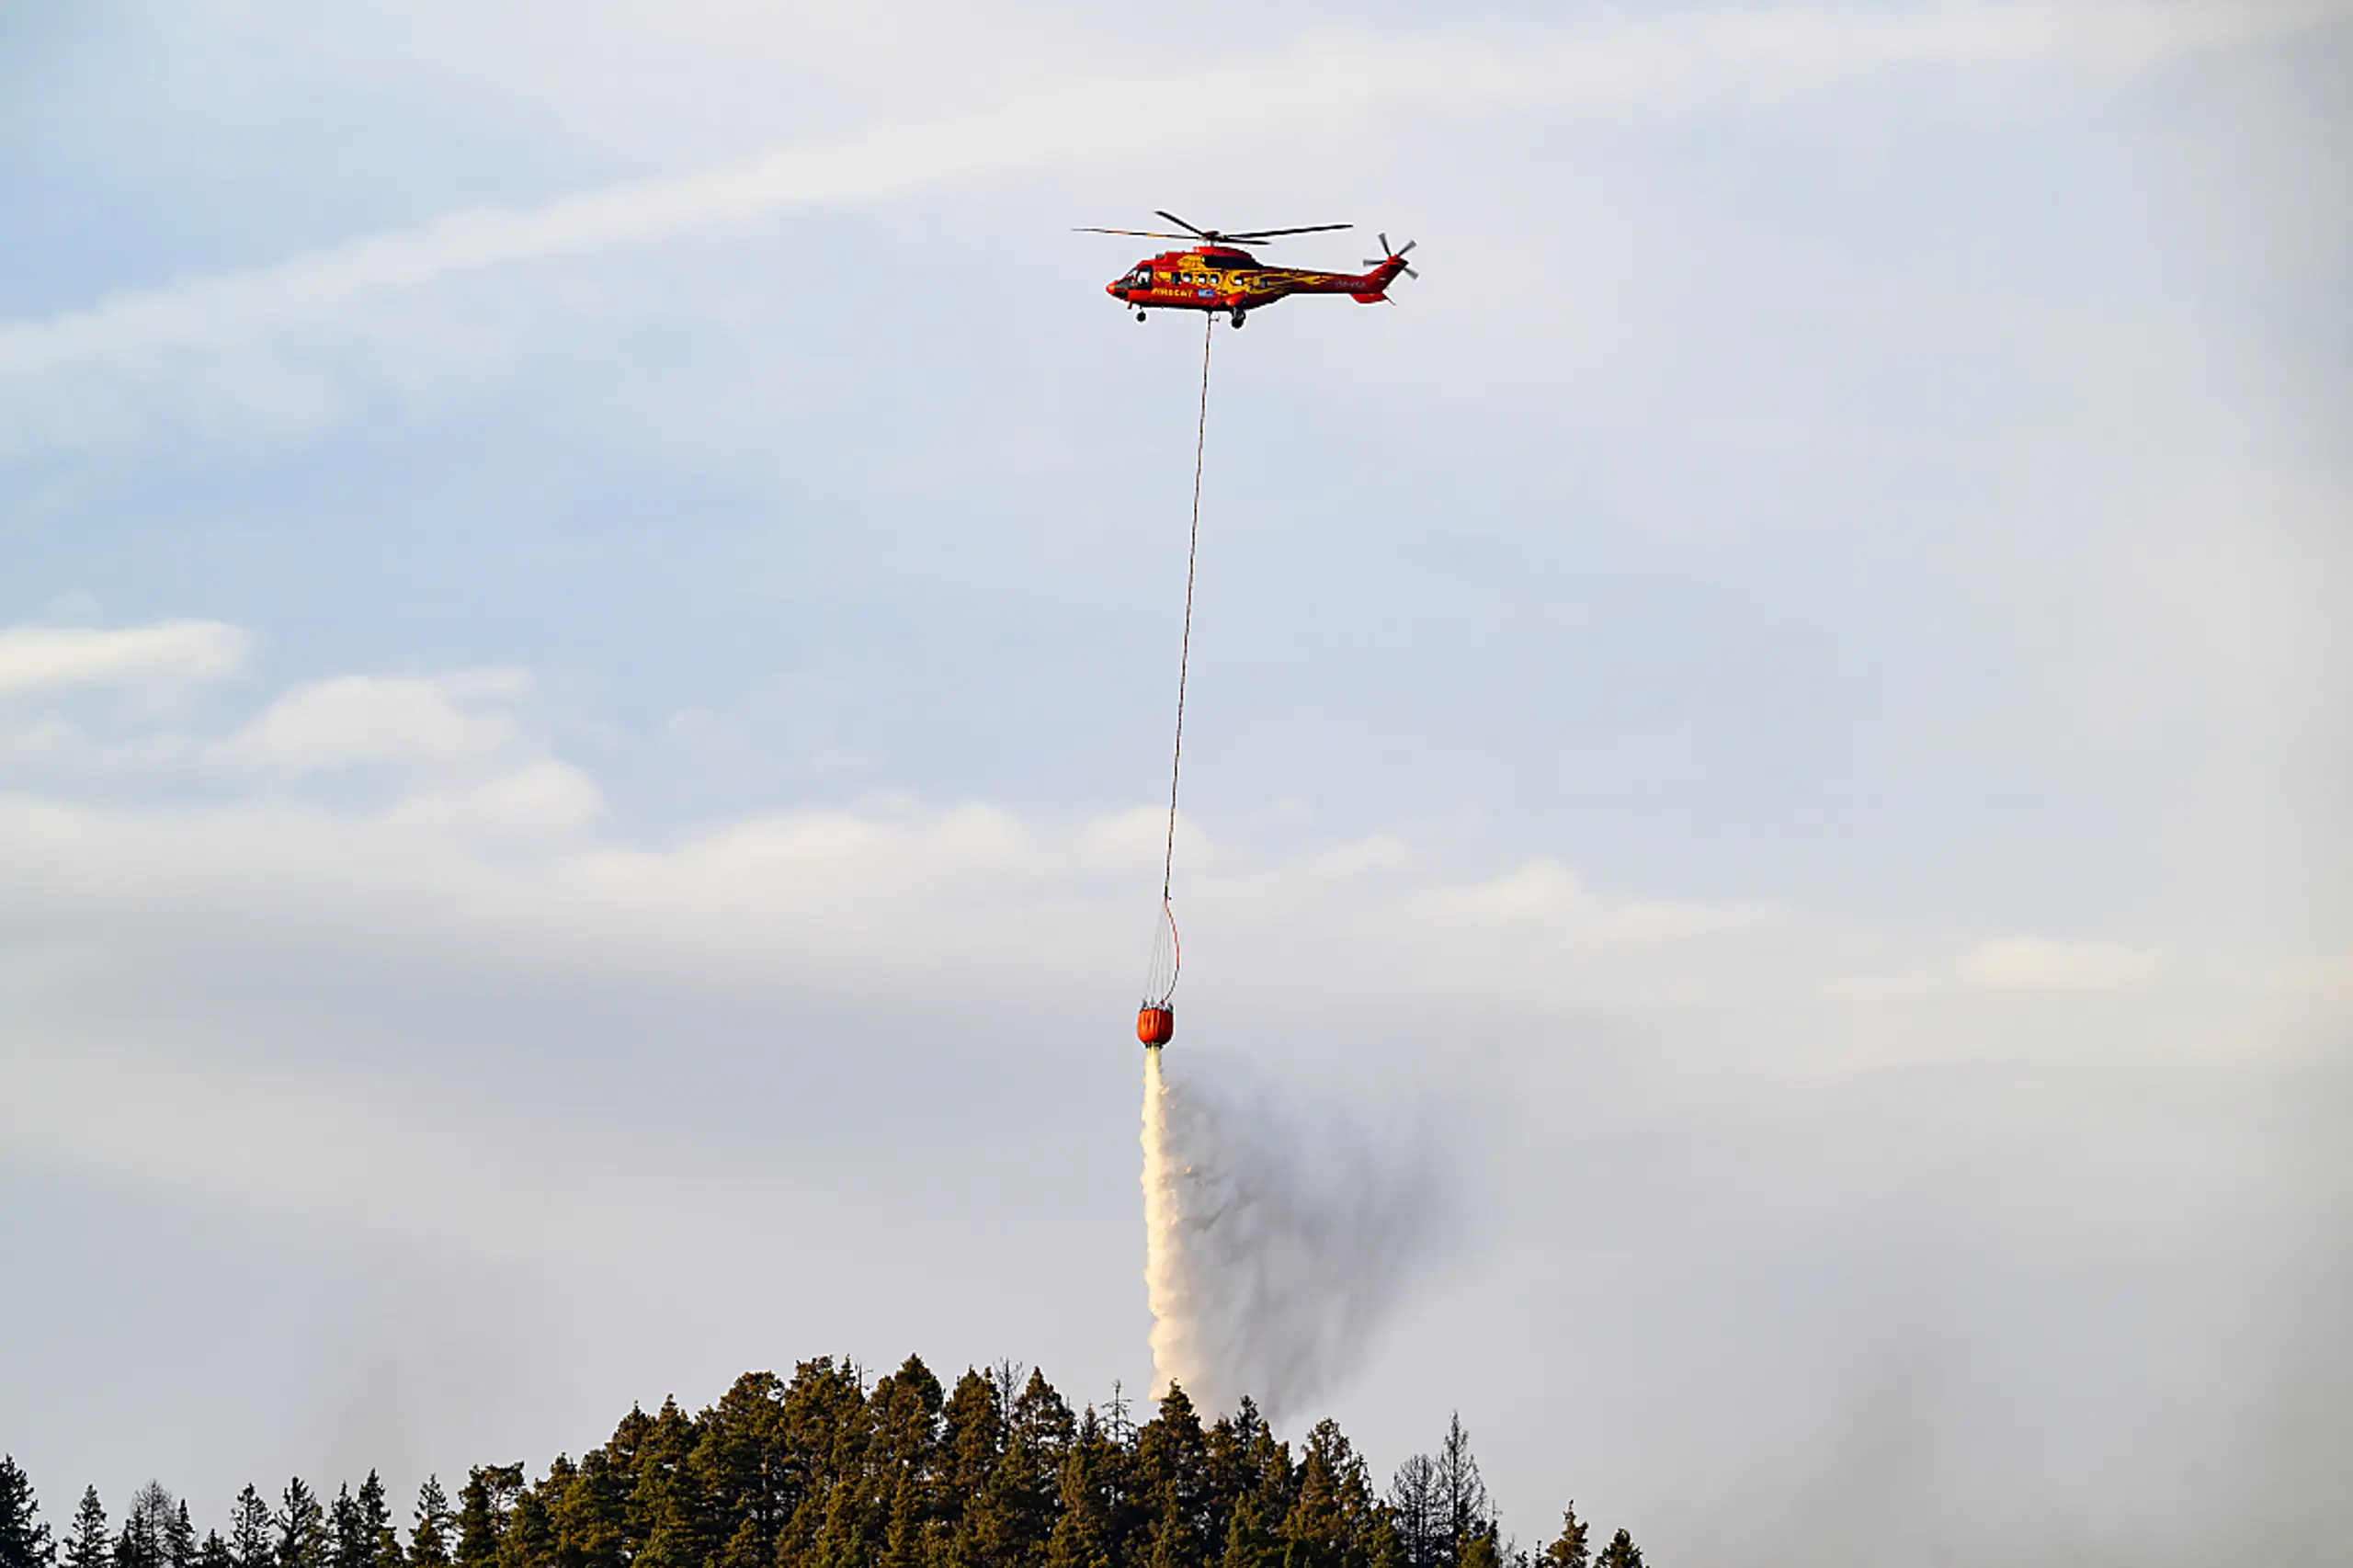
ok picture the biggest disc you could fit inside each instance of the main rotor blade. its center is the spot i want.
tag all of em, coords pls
(1270, 234)
(1180, 223)
(1139, 233)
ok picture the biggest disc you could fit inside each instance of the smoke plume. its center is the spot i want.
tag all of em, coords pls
(1279, 1233)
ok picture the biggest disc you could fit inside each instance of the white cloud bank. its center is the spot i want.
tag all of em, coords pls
(488, 855)
(360, 719)
(50, 658)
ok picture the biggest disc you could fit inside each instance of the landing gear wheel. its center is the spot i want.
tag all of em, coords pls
(1238, 313)
(1139, 318)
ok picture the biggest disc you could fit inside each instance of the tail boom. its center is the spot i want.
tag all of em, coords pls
(1373, 287)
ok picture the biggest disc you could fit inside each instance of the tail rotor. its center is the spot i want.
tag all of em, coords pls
(1397, 254)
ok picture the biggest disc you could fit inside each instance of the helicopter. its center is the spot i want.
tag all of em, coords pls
(1216, 274)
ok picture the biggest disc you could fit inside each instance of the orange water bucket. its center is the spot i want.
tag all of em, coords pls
(1156, 1026)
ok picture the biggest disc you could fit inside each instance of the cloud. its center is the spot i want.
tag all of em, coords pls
(540, 800)
(481, 844)
(1548, 894)
(2032, 963)
(362, 719)
(453, 743)
(45, 658)
(199, 350)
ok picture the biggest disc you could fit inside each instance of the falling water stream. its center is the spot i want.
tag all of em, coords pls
(1163, 1286)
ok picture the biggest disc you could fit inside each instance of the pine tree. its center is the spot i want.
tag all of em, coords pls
(1172, 1474)
(214, 1552)
(179, 1538)
(843, 1541)
(1569, 1549)
(672, 1510)
(1266, 1481)
(1621, 1553)
(382, 1543)
(302, 1539)
(591, 1515)
(1465, 1512)
(529, 1537)
(24, 1541)
(972, 1435)
(903, 1534)
(428, 1538)
(1086, 1496)
(1018, 1507)
(1227, 1477)
(483, 1507)
(738, 1462)
(86, 1544)
(1423, 1532)
(147, 1529)
(250, 1545)
(823, 1418)
(1330, 1525)
(348, 1545)
(1248, 1542)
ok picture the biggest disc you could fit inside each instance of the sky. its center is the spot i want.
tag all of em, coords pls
(588, 604)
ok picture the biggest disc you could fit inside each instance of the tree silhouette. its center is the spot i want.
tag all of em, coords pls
(148, 1530)
(821, 1470)
(1569, 1549)
(1621, 1553)
(250, 1542)
(1414, 1511)
(349, 1544)
(1465, 1512)
(301, 1526)
(85, 1543)
(179, 1537)
(378, 1544)
(24, 1541)
(428, 1538)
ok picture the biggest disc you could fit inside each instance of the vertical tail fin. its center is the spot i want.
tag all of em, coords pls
(1376, 283)
(1385, 268)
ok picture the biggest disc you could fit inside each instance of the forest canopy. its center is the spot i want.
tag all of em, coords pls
(827, 1472)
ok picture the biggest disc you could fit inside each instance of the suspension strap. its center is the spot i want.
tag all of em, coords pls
(1184, 656)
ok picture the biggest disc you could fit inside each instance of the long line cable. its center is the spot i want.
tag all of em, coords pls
(1185, 655)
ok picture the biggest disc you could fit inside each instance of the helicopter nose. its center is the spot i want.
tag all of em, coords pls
(1114, 289)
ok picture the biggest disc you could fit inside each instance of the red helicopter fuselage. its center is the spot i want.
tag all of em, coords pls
(1221, 277)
